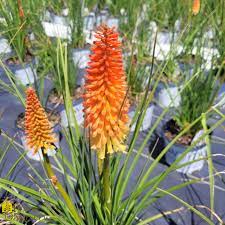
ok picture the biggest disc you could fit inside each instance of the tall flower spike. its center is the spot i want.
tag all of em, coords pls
(105, 103)
(196, 5)
(37, 127)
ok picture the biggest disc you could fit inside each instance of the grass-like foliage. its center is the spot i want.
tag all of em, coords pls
(54, 61)
(75, 15)
(14, 26)
(197, 97)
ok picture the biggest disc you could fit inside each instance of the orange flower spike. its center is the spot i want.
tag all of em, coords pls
(20, 7)
(37, 127)
(105, 103)
(196, 7)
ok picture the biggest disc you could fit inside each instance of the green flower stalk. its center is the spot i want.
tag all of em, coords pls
(58, 186)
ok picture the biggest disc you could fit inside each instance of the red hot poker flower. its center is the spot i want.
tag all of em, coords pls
(196, 7)
(105, 103)
(37, 127)
(20, 8)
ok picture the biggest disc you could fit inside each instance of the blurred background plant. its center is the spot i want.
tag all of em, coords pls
(15, 26)
(197, 97)
(171, 71)
(76, 17)
(56, 69)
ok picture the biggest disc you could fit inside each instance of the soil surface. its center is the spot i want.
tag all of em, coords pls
(190, 59)
(56, 99)
(172, 129)
(16, 61)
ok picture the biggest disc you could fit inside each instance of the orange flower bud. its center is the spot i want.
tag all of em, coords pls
(20, 7)
(105, 103)
(196, 7)
(54, 180)
(37, 127)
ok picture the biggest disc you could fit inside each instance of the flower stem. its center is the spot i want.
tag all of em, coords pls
(106, 182)
(100, 166)
(60, 189)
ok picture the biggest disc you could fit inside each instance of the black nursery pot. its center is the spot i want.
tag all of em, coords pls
(199, 152)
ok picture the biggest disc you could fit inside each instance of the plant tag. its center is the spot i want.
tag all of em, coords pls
(60, 20)
(220, 101)
(47, 16)
(81, 57)
(169, 97)
(197, 136)
(4, 46)
(177, 26)
(102, 17)
(78, 109)
(113, 22)
(89, 22)
(65, 12)
(25, 76)
(79, 113)
(57, 30)
(90, 37)
(131, 115)
(209, 54)
(148, 118)
(146, 121)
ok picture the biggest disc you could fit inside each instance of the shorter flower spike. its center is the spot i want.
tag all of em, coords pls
(20, 8)
(39, 134)
(196, 7)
